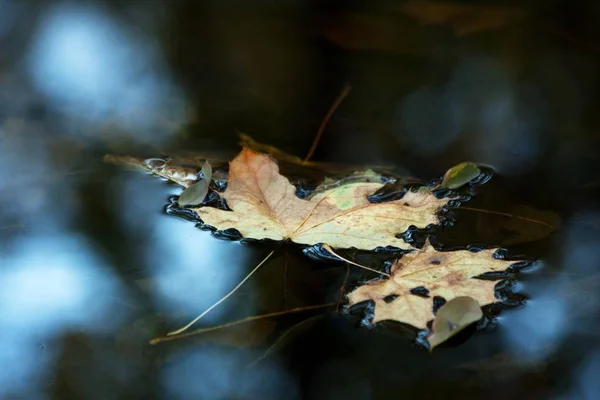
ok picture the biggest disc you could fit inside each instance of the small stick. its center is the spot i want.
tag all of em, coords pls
(535, 221)
(328, 116)
(343, 287)
(280, 339)
(178, 331)
(239, 322)
(330, 250)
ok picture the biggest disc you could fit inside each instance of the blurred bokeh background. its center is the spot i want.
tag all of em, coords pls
(91, 267)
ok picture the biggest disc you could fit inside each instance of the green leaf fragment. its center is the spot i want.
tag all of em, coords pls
(460, 175)
(196, 193)
(207, 171)
(453, 317)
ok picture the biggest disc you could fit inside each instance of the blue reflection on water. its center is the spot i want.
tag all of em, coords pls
(97, 71)
(50, 286)
(538, 329)
(498, 119)
(220, 374)
(190, 268)
(587, 385)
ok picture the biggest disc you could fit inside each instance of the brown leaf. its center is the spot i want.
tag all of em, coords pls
(265, 206)
(428, 272)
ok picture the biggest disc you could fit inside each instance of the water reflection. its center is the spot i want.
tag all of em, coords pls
(34, 194)
(97, 71)
(71, 269)
(221, 374)
(7, 16)
(50, 286)
(562, 297)
(430, 136)
(189, 268)
(534, 332)
(587, 385)
(482, 103)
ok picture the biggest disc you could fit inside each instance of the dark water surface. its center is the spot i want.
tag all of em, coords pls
(92, 267)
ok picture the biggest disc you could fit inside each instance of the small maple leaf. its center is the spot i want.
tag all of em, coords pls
(417, 277)
(265, 206)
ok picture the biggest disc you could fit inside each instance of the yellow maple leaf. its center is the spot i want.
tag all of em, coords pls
(265, 206)
(417, 277)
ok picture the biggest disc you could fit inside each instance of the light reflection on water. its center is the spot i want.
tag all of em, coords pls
(483, 105)
(535, 331)
(222, 374)
(50, 286)
(189, 268)
(97, 71)
(587, 385)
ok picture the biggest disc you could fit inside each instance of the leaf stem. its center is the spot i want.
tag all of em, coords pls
(239, 322)
(178, 331)
(281, 338)
(535, 221)
(330, 250)
(343, 287)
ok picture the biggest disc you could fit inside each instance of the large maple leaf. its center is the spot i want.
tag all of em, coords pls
(417, 277)
(265, 206)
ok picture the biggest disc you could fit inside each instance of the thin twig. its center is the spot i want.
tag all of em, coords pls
(328, 116)
(343, 286)
(535, 221)
(330, 250)
(239, 322)
(178, 331)
(285, 271)
(280, 339)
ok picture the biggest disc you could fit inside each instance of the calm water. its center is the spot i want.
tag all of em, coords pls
(92, 268)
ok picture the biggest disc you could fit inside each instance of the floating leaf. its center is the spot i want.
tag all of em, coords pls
(460, 175)
(262, 204)
(422, 275)
(453, 317)
(265, 206)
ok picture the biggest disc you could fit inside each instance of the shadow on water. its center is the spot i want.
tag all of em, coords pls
(92, 267)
